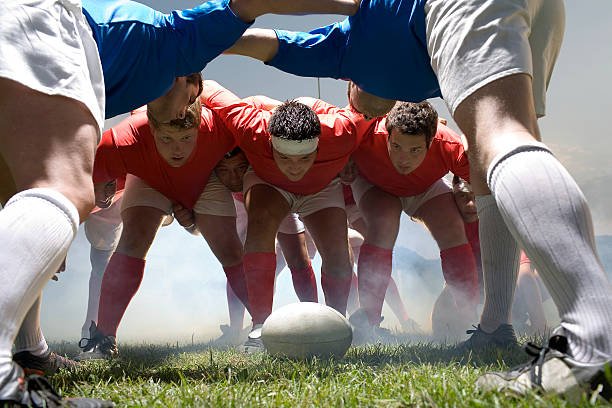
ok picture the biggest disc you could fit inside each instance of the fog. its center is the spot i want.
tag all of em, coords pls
(183, 291)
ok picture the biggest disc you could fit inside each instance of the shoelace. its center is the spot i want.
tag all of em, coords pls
(87, 344)
(475, 329)
(539, 356)
(558, 343)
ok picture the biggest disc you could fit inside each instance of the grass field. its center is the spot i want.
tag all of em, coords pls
(401, 375)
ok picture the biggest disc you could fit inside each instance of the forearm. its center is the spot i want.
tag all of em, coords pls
(258, 43)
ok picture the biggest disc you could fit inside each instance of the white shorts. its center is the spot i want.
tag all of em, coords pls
(103, 227)
(475, 42)
(410, 205)
(216, 199)
(303, 205)
(48, 46)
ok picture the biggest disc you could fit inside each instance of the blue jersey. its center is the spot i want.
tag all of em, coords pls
(382, 48)
(143, 50)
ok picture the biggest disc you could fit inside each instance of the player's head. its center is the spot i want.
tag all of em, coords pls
(411, 127)
(174, 104)
(465, 199)
(370, 106)
(231, 169)
(294, 131)
(176, 140)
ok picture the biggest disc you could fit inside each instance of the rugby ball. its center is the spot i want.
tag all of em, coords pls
(306, 329)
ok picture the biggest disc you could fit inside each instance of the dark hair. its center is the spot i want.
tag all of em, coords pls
(294, 121)
(413, 119)
(232, 152)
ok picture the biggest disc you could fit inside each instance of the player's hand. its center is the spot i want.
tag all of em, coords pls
(62, 268)
(186, 218)
(105, 192)
(349, 173)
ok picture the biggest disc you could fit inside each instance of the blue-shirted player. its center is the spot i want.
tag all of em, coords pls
(491, 60)
(64, 67)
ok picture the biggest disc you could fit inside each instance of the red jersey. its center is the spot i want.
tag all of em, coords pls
(339, 138)
(130, 148)
(445, 153)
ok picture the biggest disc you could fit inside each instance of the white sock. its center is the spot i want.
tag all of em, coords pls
(548, 214)
(500, 257)
(30, 337)
(99, 259)
(36, 229)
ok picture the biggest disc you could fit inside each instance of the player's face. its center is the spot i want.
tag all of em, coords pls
(466, 203)
(231, 171)
(175, 146)
(174, 103)
(294, 167)
(370, 106)
(406, 152)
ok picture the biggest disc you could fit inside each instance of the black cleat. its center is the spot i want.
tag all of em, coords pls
(503, 337)
(47, 364)
(35, 391)
(97, 346)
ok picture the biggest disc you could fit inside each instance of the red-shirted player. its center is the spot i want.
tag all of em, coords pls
(401, 162)
(168, 164)
(295, 157)
(294, 248)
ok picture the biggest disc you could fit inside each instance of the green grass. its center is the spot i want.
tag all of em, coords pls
(403, 375)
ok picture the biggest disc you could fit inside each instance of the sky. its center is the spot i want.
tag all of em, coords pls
(183, 293)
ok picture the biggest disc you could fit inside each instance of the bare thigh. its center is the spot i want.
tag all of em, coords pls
(48, 141)
(140, 225)
(443, 220)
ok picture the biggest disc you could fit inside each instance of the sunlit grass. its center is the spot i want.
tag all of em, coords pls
(399, 375)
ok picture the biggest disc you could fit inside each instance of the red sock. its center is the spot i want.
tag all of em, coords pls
(373, 271)
(305, 284)
(459, 270)
(336, 290)
(235, 308)
(236, 278)
(259, 269)
(119, 285)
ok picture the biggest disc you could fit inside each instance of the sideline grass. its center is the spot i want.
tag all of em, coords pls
(404, 375)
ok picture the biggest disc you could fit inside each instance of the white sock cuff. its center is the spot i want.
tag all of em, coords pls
(528, 147)
(55, 198)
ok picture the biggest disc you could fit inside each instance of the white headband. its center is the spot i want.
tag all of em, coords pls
(294, 147)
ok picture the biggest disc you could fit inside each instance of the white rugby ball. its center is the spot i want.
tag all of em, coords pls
(306, 329)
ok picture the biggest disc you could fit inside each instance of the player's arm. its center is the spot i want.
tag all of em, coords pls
(263, 102)
(240, 117)
(319, 105)
(105, 192)
(186, 218)
(317, 53)
(108, 167)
